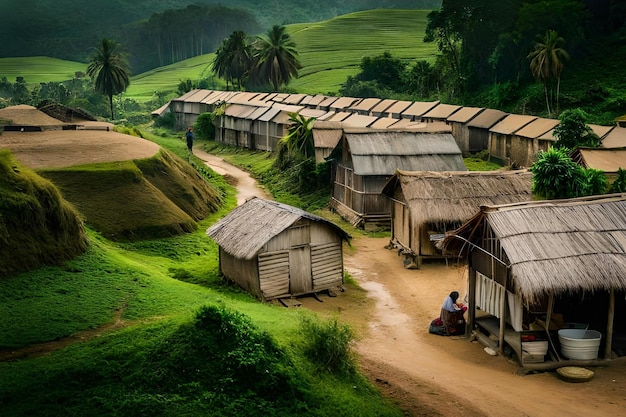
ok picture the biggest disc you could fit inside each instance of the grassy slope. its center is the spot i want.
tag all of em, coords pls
(39, 69)
(330, 51)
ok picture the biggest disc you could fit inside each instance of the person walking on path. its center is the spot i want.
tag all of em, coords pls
(189, 136)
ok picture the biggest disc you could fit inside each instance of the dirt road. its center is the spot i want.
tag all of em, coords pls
(429, 375)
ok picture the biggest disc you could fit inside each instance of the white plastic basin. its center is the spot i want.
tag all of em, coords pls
(580, 344)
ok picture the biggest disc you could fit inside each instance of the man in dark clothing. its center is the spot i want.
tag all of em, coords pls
(189, 136)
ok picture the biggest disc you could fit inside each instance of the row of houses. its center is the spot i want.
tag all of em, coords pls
(529, 262)
(259, 120)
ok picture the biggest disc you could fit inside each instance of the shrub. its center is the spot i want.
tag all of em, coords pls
(204, 127)
(328, 344)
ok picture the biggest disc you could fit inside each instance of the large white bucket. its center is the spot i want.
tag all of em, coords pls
(579, 343)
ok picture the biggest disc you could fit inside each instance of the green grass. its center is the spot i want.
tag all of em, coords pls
(160, 362)
(330, 51)
(39, 69)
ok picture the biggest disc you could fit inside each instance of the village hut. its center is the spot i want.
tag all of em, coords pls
(380, 109)
(276, 251)
(479, 126)
(440, 113)
(527, 142)
(606, 160)
(504, 146)
(188, 107)
(326, 135)
(273, 125)
(365, 159)
(426, 205)
(415, 111)
(234, 126)
(616, 138)
(365, 106)
(539, 268)
(458, 122)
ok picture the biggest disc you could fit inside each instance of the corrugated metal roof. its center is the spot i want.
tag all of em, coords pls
(419, 126)
(186, 95)
(487, 118)
(315, 100)
(383, 122)
(615, 139)
(256, 114)
(308, 112)
(441, 111)
(339, 116)
(418, 108)
(398, 107)
(294, 98)
(280, 97)
(343, 103)
(359, 120)
(382, 152)
(327, 102)
(382, 107)
(269, 114)
(238, 110)
(197, 96)
(511, 124)
(607, 160)
(465, 114)
(537, 127)
(243, 232)
(365, 105)
(163, 109)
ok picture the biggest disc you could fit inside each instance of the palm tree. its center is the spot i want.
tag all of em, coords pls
(546, 63)
(109, 70)
(233, 59)
(275, 57)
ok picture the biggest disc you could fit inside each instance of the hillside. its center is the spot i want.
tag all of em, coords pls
(52, 28)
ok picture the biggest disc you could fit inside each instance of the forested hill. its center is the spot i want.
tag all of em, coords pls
(67, 29)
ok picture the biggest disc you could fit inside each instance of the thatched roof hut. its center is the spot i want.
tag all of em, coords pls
(549, 255)
(274, 250)
(427, 204)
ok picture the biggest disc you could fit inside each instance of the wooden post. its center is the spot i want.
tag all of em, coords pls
(503, 303)
(471, 312)
(609, 325)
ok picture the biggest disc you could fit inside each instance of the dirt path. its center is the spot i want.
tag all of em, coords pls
(429, 375)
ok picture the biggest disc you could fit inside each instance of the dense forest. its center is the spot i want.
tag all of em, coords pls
(156, 33)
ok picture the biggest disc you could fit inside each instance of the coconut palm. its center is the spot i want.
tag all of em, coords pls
(109, 70)
(275, 57)
(546, 63)
(233, 59)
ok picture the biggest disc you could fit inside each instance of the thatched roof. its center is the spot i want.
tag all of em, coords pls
(244, 231)
(557, 246)
(443, 197)
(25, 115)
(382, 152)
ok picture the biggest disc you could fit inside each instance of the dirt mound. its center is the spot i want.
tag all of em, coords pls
(24, 115)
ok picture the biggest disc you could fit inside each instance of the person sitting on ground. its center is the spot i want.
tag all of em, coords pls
(452, 305)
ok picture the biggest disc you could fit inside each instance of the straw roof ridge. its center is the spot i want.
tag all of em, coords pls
(244, 231)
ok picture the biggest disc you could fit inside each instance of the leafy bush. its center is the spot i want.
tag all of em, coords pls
(204, 127)
(619, 185)
(167, 120)
(328, 344)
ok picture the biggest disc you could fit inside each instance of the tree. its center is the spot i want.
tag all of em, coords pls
(573, 131)
(233, 59)
(546, 64)
(275, 58)
(619, 185)
(109, 70)
(379, 77)
(556, 175)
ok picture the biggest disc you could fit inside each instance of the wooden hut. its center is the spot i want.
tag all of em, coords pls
(326, 135)
(426, 205)
(479, 126)
(365, 159)
(541, 266)
(274, 251)
(606, 160)
(458, 122)
(504, 146)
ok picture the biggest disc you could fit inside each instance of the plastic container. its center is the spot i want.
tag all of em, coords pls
(539, 347)
(580, 344)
